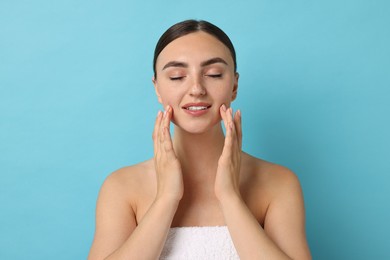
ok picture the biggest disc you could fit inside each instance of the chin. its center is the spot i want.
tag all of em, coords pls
(197, 128)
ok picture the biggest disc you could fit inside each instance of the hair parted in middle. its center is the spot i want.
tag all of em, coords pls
(190, 26)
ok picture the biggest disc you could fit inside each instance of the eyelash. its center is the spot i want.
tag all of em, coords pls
(176, 78)
(214, 76)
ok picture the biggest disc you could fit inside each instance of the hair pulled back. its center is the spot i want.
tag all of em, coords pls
(190, 26)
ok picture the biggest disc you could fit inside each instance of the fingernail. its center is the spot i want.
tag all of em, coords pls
(239, 113)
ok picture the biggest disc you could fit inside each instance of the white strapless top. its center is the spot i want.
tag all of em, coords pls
(199, 243)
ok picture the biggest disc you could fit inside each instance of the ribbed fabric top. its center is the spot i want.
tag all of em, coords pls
(199, 243)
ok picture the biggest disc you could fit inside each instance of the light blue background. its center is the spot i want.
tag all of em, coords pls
(77, 102)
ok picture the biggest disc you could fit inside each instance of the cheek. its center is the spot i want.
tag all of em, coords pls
(223, 97)
(169, 98)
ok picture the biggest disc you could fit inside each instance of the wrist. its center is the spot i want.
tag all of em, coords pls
(169, 202)
(229, 197)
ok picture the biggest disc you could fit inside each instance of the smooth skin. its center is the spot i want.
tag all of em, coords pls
(199, 176)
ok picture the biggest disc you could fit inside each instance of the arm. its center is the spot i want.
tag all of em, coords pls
(283, 236)
(117, 234)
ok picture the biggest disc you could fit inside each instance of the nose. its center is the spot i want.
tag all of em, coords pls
(197, 88)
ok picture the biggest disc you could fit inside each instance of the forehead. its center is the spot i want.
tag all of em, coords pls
(194, 48)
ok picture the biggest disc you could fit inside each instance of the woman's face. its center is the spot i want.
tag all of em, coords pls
(195, 76)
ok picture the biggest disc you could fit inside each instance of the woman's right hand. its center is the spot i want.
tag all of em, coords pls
(167, 166)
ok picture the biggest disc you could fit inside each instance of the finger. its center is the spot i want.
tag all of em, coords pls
(229, 132)
(157, 125)
(167, 116)
(168, 145)
(228, 144)
(232, 134)
(156, 131)
(238, 127)
(230, 119)
(223, 112)
(232, 126)
(166, 136)
(164, 123)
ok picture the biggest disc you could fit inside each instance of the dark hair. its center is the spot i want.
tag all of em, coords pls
(189, 26)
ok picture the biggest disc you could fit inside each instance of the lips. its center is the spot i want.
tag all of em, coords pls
(196, 109)
(196, 106)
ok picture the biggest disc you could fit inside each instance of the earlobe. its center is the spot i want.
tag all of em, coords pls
(155, 84)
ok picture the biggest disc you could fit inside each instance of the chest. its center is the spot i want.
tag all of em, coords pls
(206, 212)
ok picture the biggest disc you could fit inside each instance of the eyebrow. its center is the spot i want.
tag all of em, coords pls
(203, 64)
(212, 61)
(175, 64)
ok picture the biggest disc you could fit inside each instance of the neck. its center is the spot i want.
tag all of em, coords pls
(199, 153)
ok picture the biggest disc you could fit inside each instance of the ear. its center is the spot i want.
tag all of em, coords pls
(155, 84)
(235, 86)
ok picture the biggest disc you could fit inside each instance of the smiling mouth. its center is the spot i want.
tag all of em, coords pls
(197, 108)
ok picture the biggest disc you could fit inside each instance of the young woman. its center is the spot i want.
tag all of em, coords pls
(201, 196)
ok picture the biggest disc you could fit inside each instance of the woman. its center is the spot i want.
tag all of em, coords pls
(199, 184)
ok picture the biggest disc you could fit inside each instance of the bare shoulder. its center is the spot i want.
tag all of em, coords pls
(131, 174)
(130, 181)
(275, 198)
(116, 209)
(264, 184)
(267, 174)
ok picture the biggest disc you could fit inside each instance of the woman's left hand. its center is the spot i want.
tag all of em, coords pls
(229, 164)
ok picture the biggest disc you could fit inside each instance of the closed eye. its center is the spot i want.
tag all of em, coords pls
(214, 75)
(176, 78)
